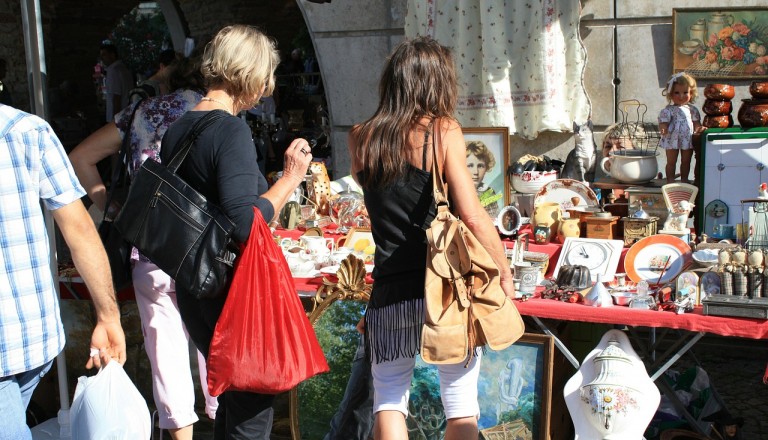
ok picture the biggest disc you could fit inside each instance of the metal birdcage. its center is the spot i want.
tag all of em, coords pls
(633, 130)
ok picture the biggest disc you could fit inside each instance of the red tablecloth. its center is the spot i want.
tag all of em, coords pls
(552, 309)
(693, 321)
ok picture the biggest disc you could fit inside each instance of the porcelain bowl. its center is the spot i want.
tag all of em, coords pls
(631, 166)
(622, 298)
(719, 91)
(530, 182)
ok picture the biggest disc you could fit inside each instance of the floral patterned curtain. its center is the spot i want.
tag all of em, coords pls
(520, 63)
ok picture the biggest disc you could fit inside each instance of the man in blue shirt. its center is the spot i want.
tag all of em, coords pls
(34, 168)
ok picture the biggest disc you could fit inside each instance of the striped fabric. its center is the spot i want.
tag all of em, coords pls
(33, 168)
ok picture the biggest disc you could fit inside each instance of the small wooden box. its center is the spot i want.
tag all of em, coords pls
(638, 228)
(602, 227)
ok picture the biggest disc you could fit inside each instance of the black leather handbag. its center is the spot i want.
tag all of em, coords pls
(118, 250)
(174, 225)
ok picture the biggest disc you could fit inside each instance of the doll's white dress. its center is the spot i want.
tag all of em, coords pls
(680, 119)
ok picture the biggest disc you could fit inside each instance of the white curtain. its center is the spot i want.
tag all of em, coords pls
(520, 63)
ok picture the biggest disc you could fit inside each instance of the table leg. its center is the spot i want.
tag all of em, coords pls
(691, 342)
(558, 343)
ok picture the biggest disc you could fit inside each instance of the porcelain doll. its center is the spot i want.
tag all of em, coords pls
(678, 122)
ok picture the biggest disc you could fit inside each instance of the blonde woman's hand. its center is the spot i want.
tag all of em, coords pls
(297, 157)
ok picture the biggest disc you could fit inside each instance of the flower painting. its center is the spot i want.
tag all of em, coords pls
(724, 43)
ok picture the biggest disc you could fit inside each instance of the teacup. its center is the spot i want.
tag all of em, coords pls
(317, 245)
(299, 263)
(340, 254)
(289, 245)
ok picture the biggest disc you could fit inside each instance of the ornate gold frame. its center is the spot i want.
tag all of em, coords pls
(351, 286)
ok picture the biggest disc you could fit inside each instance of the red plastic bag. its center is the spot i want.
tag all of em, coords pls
(263, 341)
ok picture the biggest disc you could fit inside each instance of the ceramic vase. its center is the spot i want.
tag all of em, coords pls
(547, 214)
(568, 227)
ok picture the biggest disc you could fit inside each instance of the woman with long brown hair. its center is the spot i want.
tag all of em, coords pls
(392, 157)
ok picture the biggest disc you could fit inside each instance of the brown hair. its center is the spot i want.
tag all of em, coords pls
(419, 81)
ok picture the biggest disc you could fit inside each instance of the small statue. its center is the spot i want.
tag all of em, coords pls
(724, 261)
(678, 216)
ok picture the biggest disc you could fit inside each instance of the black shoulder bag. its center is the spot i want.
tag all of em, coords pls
(176, 227)
(118, 250)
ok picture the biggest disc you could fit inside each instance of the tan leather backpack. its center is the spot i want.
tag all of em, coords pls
(464, 303)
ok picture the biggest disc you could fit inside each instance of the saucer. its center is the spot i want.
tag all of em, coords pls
(311, 274)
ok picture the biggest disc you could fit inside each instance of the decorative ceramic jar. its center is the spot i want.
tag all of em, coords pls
(719, 91)
(753, 113)
(631, 166)
(568, 227)
(759, 89)
(541, 234)
(609, 397)
(528, 275)
(715, 107)
(723, 121)
(547, 214)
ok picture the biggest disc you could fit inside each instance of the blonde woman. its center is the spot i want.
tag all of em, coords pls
(238, 66)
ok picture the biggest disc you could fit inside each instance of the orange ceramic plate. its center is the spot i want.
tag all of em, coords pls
(646, 258)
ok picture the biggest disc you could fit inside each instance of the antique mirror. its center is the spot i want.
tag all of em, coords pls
(335, 311)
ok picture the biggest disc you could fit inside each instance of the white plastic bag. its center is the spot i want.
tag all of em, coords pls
(108, 406)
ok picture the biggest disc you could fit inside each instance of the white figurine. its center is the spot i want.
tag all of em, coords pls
(762, 192)
(678, 216)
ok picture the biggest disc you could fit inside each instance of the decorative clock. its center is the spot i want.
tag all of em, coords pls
(600, 256)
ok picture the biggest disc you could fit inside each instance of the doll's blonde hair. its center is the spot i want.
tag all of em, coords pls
(680, 78)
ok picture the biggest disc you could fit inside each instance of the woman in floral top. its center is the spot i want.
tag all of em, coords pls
(165, 338)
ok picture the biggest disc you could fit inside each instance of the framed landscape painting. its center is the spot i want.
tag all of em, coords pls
(487, 161)
(514, 392)
(726, 43)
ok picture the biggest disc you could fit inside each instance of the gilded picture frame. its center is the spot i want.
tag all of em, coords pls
(722, 43)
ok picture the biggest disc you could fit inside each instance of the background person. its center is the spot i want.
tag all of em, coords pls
(119, 80)
(238, 66)
(165, 338)
(36, 170)
(391, 157)
(5, 90)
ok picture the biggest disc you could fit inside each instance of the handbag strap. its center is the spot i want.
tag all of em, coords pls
(184, 146)
(121, 169)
